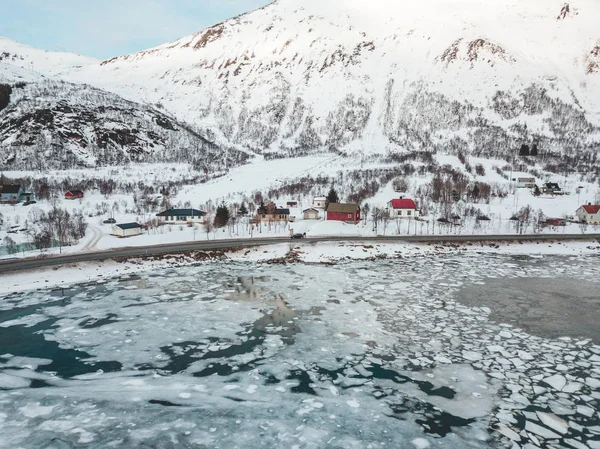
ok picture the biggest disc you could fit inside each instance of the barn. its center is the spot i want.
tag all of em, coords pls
(347, 212)
(127, 229)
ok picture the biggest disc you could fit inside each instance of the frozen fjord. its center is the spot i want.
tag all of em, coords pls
(397, 353)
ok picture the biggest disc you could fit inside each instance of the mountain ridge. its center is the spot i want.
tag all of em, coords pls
(301, 77)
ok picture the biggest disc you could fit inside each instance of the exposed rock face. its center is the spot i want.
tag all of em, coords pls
(593, 59)
(59, 125)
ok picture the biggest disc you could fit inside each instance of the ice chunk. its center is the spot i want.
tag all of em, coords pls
(572, 387)
(539, 430)
(35, 410)
(585, 410)
(556, 381)
(420, 443)
(575, 444)
(592, 382)
(554, 422)
(508, 432)
(472, 356)
(10, 382)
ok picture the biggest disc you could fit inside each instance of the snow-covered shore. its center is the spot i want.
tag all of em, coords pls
(69, 274)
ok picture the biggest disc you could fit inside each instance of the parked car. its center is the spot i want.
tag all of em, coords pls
(109, 221)
(27, 203)
(298, 235)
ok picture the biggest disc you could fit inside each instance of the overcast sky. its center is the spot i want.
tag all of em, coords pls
(109, 28)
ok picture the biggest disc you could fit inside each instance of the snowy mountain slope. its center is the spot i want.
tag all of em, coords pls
(48, 123)
(32, 59)
(300, 76)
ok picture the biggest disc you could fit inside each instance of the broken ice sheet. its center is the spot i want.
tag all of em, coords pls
(328, 360)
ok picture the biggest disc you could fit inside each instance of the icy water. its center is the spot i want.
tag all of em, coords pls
(455, 351)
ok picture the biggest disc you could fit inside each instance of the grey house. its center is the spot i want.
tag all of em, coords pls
(13, 193)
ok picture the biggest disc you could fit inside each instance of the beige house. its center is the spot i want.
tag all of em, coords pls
(272, 214)
(311, 214)
(126, 229)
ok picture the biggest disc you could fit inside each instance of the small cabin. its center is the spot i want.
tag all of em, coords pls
(127, 229)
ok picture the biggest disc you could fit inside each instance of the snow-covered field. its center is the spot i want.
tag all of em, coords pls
(405, 352)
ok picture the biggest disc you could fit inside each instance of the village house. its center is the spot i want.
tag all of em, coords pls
(272, 214)
(552, 188)
(13, 193)
(554, 222)
(346, 212)
(526, 183)
(402, 208)
(319, 202)
(73, 195)
(311, 213)
(127, 229)
(181, 216)
(590, 213)
(292, 204)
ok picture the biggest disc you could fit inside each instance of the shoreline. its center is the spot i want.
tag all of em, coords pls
(66, 275)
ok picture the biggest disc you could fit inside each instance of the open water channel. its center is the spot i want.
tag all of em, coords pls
(466, 350)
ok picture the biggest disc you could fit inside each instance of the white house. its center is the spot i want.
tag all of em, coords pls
(402, 208)
(127, 229)
(319, 202)
(525, 183)
(181, 216)
(589, 213)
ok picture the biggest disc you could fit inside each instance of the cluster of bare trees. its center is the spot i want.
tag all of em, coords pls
(58, 227)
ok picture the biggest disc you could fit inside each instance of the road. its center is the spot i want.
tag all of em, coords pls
(174, 248)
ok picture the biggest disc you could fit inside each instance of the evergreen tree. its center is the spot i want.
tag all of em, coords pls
(524, 151)
(221, 216)
(534, 150)
(243, 210)
(332, 196)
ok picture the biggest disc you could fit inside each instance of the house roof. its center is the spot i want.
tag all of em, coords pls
(344, 208)
(128, 225)
(310, 208)
(75, 192)
(264, 210)
(403, 203)
(591, 208)
(182, 213)
(13, 188)
(320, 198)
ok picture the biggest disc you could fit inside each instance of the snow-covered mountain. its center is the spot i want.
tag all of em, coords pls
(30, 59)
(47, 123)
(374, 76)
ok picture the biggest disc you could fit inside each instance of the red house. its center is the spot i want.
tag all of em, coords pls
(73, 194)
(346, 212)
